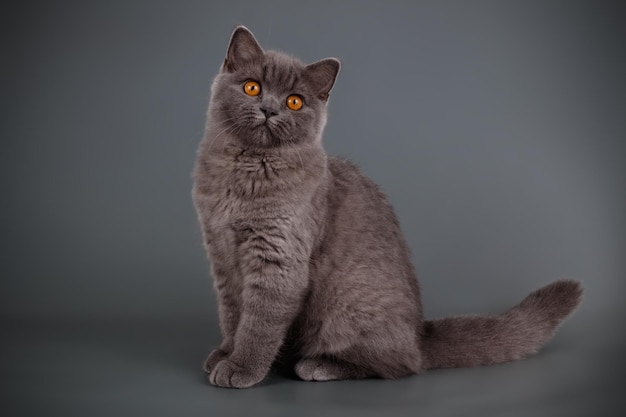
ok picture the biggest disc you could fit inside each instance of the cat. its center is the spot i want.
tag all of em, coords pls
(306, 253)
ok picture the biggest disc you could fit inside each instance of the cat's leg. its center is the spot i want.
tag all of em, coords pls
(354, 340)
(327, 369)
(227, 285)
(273, 288)
(359, 362)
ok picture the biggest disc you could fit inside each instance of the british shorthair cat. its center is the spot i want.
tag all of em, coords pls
(306, 254)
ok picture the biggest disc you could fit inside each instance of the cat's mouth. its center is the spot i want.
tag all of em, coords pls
(266, 133)
(261, 134)
(267, 127)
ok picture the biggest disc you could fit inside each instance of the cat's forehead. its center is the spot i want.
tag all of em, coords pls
(279, 69)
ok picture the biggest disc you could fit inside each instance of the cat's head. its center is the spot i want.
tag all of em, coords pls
(268, 99)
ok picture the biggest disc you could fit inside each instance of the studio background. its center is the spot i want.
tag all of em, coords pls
(496, 128)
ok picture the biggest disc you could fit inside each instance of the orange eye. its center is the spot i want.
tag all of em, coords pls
(252, 88)
(294, 102)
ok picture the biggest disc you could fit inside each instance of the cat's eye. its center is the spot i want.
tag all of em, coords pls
(252, 88)
(294, 102)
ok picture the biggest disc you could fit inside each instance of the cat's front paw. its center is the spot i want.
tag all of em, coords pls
(226, 374)
(213, 359)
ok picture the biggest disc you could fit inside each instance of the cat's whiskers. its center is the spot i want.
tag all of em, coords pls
(237, 127)
(299, 157)
(217, 136)
(227, 130)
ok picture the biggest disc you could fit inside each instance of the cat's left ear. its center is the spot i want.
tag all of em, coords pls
(321, 76)
(242, 48)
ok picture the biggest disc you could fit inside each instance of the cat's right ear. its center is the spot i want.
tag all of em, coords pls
(321, 76)
(242, 48)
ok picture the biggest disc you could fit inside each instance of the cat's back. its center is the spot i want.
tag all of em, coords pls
(353, 190)
(365, 230)
(362, 279)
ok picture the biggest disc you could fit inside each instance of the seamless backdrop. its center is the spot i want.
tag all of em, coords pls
(496, 128)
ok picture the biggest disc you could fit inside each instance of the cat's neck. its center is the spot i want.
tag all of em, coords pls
(257, 171)
(289, 156)
(228, 149)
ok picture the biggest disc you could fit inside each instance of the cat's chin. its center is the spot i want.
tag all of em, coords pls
(264, 136)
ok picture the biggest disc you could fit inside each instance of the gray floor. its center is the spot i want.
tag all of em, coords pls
(151, 367)
(496, 129)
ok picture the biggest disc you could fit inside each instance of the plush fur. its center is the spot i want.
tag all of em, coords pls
(306, 253)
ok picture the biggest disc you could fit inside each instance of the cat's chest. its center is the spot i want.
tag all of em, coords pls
(251, 176)
(231, 220)
(248, 191)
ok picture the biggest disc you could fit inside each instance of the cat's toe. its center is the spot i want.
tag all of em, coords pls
(226, 374)
(311, 369)
(213, 359)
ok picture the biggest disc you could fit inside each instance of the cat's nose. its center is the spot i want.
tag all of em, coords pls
(269, 111)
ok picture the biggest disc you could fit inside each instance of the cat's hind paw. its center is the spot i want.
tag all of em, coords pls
(318, 369)
(325, 369)
(315, 370)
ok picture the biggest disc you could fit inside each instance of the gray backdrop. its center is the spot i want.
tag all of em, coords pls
(495, 128)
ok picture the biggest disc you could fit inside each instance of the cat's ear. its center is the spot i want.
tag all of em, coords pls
(242, 48)
(321, 76)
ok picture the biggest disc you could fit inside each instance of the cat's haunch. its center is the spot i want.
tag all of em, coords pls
(308, 260)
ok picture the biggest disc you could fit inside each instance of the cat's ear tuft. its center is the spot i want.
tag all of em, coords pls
(321, 76)
(242, 48)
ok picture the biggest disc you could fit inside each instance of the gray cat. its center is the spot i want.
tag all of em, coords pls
(307, 256)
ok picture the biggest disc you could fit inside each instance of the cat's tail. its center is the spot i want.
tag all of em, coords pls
(468, 341)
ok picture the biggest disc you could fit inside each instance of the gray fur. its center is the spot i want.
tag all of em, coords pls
(306, 253)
